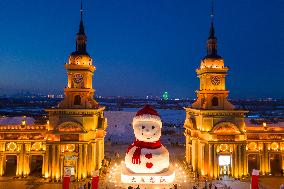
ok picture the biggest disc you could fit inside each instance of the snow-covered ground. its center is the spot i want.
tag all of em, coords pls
(119, 126)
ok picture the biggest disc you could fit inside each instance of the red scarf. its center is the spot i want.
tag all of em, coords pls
(140, 145)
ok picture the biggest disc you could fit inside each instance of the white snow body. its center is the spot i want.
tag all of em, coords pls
(157, 162)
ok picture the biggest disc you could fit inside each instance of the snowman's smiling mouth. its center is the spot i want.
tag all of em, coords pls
(148, 138)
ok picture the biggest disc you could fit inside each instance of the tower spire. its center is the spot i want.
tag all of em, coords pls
(81, 38)
(212, 40)
(212, 11)
(212, 32)
(81, 28)
(81, 10)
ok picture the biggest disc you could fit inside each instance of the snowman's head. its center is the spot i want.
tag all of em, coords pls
(147, 131)
(147, 125)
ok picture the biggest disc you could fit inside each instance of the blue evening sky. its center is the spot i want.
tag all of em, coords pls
(142, 47)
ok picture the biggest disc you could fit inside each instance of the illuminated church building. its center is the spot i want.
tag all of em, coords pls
(73, 138)
(219, 139)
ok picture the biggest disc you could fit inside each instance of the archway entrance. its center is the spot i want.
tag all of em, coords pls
(275, 164)
(253, 162)
(11, 165)
(224, 164)
(36, 162)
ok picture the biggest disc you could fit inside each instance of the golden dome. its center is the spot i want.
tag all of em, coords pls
(83, 59)
(212, 63)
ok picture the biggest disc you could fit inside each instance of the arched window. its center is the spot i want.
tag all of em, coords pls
(77, 100)
(214, 101)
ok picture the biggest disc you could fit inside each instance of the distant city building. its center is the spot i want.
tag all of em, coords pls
(165, 96)
(60, 96)
(50, 96)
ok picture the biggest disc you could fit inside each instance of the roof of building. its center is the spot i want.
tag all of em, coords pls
(249, 123)
(16, 120)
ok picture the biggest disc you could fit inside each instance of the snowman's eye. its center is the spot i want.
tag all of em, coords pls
(153, 127)
(143, 127)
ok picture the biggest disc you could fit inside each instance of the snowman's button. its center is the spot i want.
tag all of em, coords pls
(148, 156)
(149, 165)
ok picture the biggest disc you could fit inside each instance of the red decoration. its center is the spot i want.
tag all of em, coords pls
(254, 182)
(147, 110)
(149, 165)
(95, 182)
(66, 182)
(254, 179)
(148, 156)
(140, 145)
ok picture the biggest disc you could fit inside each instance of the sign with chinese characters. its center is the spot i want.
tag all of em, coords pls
(148, 179)
(158, 178)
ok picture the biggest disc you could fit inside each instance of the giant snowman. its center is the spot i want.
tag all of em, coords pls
(147, 160)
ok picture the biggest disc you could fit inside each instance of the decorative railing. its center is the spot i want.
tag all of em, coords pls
(22, 127)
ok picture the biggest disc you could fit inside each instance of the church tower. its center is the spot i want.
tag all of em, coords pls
(80, 70)
(77, 127)
(212, 93)
(214, 128)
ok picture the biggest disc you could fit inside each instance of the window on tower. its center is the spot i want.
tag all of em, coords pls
(77, 100)
(214, 101)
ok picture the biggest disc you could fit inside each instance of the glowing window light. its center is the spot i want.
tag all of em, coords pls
(224, 160)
